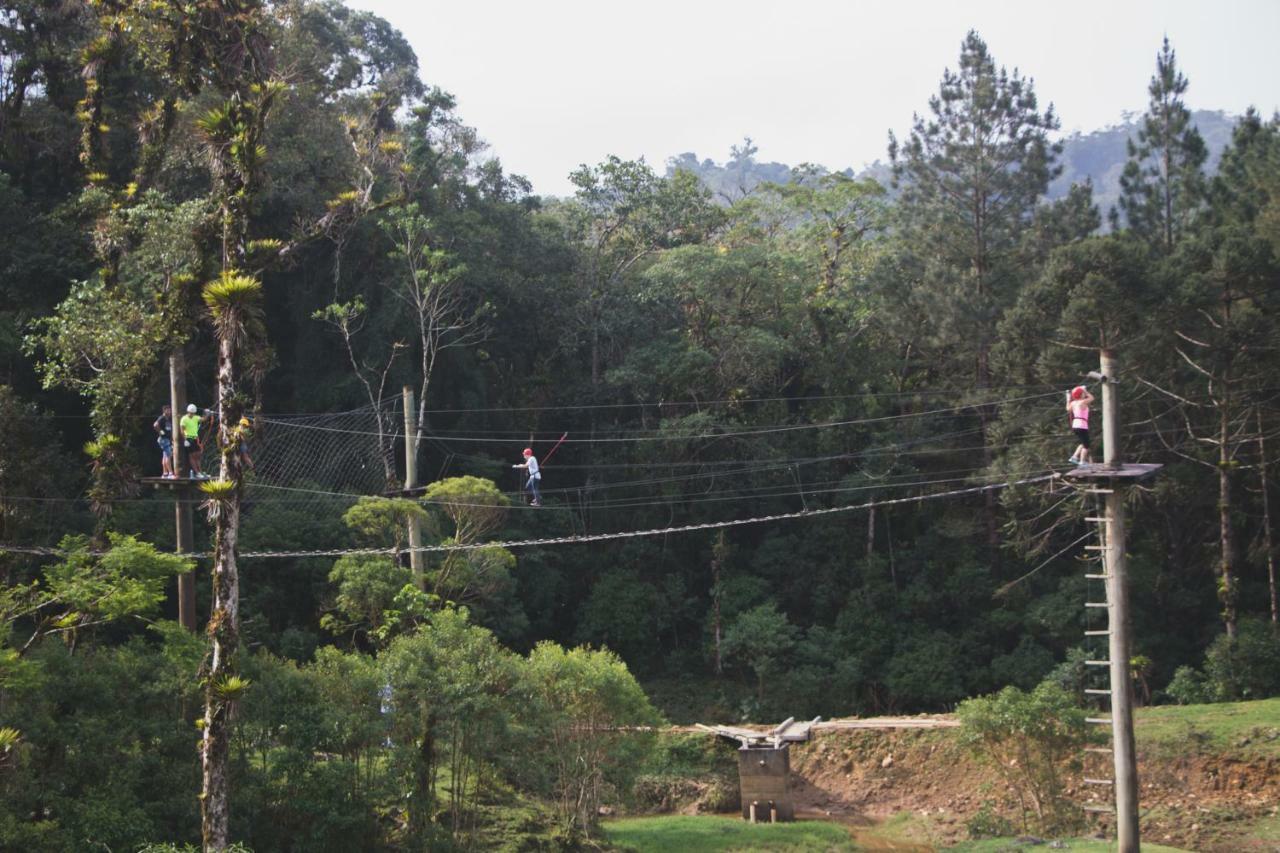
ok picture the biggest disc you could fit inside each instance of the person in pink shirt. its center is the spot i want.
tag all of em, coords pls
(1078, 400)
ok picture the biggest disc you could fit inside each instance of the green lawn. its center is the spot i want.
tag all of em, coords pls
(689, 834)
(1075, 845)
(1248, 728)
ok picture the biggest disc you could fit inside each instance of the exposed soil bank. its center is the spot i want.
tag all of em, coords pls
(1196, 801)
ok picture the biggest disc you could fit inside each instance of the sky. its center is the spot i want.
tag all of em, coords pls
(554, 84)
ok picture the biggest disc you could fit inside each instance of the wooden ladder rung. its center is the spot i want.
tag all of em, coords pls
(1097, 577)
(1096, 604)
(1098, 633)
(1102, 809)
(1102, 749)
(1095, 547)
(1098, 721)
(1094, 518)
(1100, 491)
(1097, 663)
(1097, 691)
(1089, 781)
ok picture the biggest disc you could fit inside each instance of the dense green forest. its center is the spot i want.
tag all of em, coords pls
(864, 373)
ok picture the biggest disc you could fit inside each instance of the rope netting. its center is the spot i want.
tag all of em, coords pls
(351, 452)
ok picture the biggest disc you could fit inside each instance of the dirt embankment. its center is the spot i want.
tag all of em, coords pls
(1195, 801)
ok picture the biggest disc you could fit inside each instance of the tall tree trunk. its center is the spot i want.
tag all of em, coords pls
(595, 353)
(983, 368)
(871, 531)
(717, 554)
(1168, 192)
(1267, 542)
(1226, 531)
(990, 507)
(424, 795)
(224, 619)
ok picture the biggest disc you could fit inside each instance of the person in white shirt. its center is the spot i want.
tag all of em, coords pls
(535, 476)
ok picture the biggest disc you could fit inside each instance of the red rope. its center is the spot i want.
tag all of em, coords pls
(554, 449)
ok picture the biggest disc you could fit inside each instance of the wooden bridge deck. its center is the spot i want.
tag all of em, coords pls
(791, 731)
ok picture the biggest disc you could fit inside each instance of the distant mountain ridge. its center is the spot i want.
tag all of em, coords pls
(1099, 156)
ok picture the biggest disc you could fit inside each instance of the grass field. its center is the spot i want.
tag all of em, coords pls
(1075, 845)
(689, 834)
(1243, 728)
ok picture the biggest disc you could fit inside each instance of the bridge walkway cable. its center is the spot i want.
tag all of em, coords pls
(602, 537)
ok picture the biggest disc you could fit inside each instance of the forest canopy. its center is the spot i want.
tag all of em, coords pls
(264, 210)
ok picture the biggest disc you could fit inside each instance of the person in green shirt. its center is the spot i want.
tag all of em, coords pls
(190, 425)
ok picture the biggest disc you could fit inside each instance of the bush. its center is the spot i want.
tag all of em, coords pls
(988, 823)
(1189, 687)
(1028, 738)
(721, 795)
(663, 794)
(1246, 667)
(1072, 674)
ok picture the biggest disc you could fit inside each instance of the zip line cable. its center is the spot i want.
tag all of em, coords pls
(1011, 584)
(772, 465)
(716, 435)
(625, 503)
(886, 481)
(594, 537)
(868, 395)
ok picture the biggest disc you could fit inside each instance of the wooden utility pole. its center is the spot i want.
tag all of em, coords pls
(410, 483)
(1123, 750)
(183, 524)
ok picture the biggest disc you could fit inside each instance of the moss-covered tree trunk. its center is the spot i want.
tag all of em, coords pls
(224, 621)
(234, 135)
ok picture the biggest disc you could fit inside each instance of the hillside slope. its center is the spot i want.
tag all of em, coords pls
(1098, 156)
(1209, 777)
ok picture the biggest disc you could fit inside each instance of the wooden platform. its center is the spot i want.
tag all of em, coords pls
(415, 492)
(177, 483)
(1131, 471)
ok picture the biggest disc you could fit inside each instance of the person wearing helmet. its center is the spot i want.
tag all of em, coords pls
(190, 425)
(246, 432)
(1078, 400)
(530, 464)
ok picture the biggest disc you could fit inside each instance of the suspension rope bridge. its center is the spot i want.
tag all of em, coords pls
(321, 461)
(601, 537)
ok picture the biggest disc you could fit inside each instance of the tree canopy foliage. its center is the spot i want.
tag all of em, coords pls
(272, 191)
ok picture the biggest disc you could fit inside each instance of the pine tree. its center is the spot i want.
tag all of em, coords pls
(1163, 185)
(1221, 317)
(969, 176)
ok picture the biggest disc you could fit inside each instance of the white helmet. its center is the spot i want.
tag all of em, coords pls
(191, 408)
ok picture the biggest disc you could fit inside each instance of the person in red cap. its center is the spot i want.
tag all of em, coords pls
(535, 476)
(1078, 401)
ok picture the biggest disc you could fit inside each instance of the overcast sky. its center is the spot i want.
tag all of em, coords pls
(553, 84)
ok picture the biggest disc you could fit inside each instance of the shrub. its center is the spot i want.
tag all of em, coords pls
(663, 794)
(988, 823)
(721, 795)
(1189, 687)
(1028, 737)
(1246, 666)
